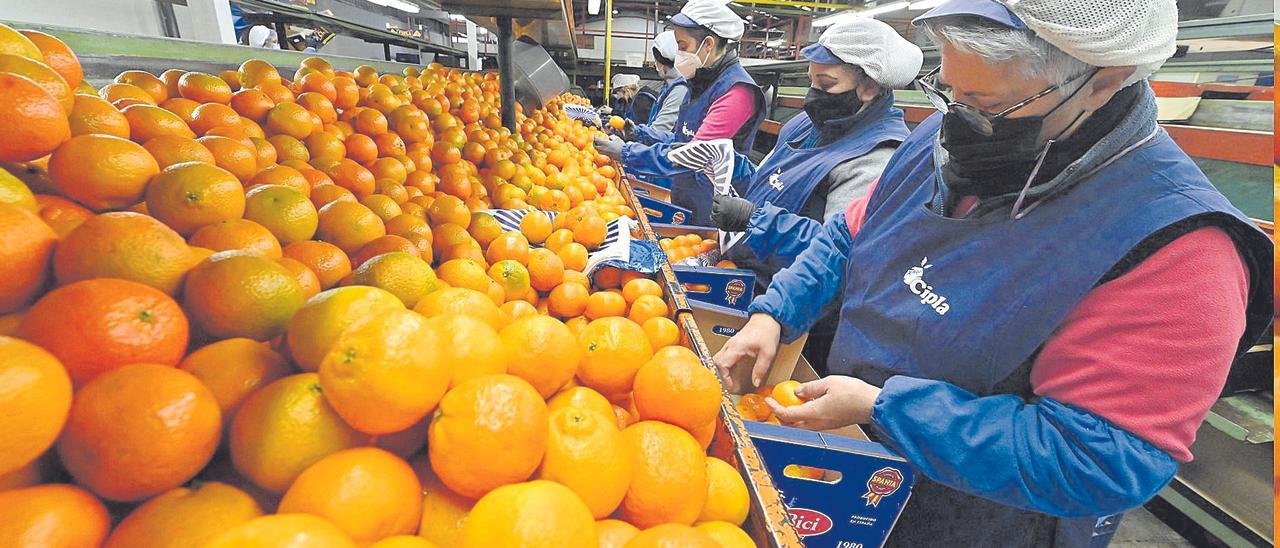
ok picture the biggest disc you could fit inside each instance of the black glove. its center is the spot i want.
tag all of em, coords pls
(731, 214)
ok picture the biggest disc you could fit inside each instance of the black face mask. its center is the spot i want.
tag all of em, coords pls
(822, 106)
(984, 166)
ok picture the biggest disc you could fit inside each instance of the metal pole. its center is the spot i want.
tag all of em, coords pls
(608, 47)
(506, 80)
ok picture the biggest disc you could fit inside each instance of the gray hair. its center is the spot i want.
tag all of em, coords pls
(997, 44)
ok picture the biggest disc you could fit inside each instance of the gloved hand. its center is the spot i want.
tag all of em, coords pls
(611, 147)
(605, 110)
(628, 131)
(731, 214)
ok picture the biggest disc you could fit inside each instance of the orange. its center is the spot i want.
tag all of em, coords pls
(407, 223)
(680, 391)
(173, 149)
(590, 232)
(282, 210)
(513, 310)
(669, 483)
(443, 511)
(727, 498)
(256, 71)
(41, 74)
(140, 430)
(56, 55)
(352, 176)
(97, 325)
(117, 93)
(568, 300)
(673, 535)
(574, 256)
(384, 374)
(36, 400)
(147, 122)
(752, 407)
(500, 418)
(284, 428)
(282, 175)
(473, 347)
(603, 304)
(185, 517)
(585, 453)
(384, 244)
(785, 394)
(608, 278)
(11, 41)
(613, 351)
(183, 108)
(283, 531)
(542, 351)
(370, 122)
(15, 191)
(347, 93)
(102, 171)
(727, 534)
(633, 289)
(306, 278)
(323, 144)
(403, 541)
(508, 245)
(211, 115)
(367, 492)
(290, 119)
(464, 273)
(320, 104)
(90, 114)
(559, 239)
(289, 148)
(53, 514)
(536, 514)
(449, 209)
(232, 155)
(26, 245)
(615, 533)
(233, 369)
(512, 276)
(190, 195)
(662, 332)
(204, 88)
(265, 153)
(313, 330)
(252, 104)
(154, 86)
(326, 260)
(382, 205)
(646, 307)
(581, 397)
(389, 144)
(361, 148)
(458, 300)
(241, 294)
(349, 225)
(123, 245)
(402, 274)
(546, 270)
(237, 234)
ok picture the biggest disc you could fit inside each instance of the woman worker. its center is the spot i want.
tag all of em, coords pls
(1042, 296)
(724, 103)
(826, 156)
(672, 96)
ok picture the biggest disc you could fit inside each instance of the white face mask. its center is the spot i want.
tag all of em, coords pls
(688, 63)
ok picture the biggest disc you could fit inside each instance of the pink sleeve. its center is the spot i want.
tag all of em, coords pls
(856, 213)
(1150, 350)
(727, 115)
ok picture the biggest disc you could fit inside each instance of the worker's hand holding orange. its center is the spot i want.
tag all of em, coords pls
(825, 404)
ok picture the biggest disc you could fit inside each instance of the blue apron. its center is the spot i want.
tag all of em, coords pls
(662, 96)
(687, 190)
(970, 301)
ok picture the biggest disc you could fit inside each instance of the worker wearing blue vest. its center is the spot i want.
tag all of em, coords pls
(725, 103)
(826, 156)
(1041, 297)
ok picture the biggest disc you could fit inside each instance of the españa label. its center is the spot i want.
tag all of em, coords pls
(882, 483)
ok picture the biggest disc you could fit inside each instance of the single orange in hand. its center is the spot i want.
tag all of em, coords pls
(785, 394)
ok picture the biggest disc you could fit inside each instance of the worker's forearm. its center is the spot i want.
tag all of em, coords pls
(650, 159)
(1043, 456)
(778, 236)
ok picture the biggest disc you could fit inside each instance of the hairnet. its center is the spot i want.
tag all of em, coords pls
(872, 45)
(1106, 33)
(712, 14)
(620, 80)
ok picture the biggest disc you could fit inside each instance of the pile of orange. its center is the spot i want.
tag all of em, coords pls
(679, 248)
(227, 295)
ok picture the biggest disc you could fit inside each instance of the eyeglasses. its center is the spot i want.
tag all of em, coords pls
(980, 121)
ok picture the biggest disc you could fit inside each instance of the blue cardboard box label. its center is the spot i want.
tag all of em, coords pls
(727, 287)
(662, 212)
(856, 496)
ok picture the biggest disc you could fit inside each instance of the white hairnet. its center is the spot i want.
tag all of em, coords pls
(873, 45)
(259, 35)
(1105, 33)
(665, 43)
(716, 16)
(620, 80)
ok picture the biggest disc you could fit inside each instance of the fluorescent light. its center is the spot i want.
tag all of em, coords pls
(829, 20)
(925, 4)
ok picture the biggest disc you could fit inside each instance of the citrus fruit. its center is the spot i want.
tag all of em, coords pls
(102, 171)
(146, 122)
(384, 244)
(44, 76)
(402, 274)
(26, 245)
(403, 541)
(237, 235)
(568, 300)
(490, 431)
(536, 227)
(97, 325)
(282, 210)
(232, 155)
(290, 119)
(634, 289)
(139, 430)
(91, 114)
(646, 307)
(57, 56)
(473, 347)
(190, 195)
(512, 276)
(508, 245)
(678, 391)
(241, 294)
(443, 511)
(615, 533)
(283, 531)
(662, 332)
(306, 277)
(463, 301)
(16, 43)
(285, 427)
(603, 304)
(785, 393)
(385, 373)
(184, 517)
(727, 534)
(585, 453)
(349, 225)
(204, 88)
(727, 498)
(574, 256)
(558, 239)
(669, 481)
(673, 535)
(155, 87)
(464, 273)
(536, 514)
(233, 369)
(613, 350)
(35, 402)
(328, 262)
(124, 245)
(542, 351)
(52, 514)
(367, 492)
(175, 149)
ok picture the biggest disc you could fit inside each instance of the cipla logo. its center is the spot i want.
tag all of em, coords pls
(914, 280)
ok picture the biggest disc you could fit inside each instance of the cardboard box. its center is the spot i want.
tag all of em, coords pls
(662, 212)
(717, 324)
(727, 287)
(651, 188)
